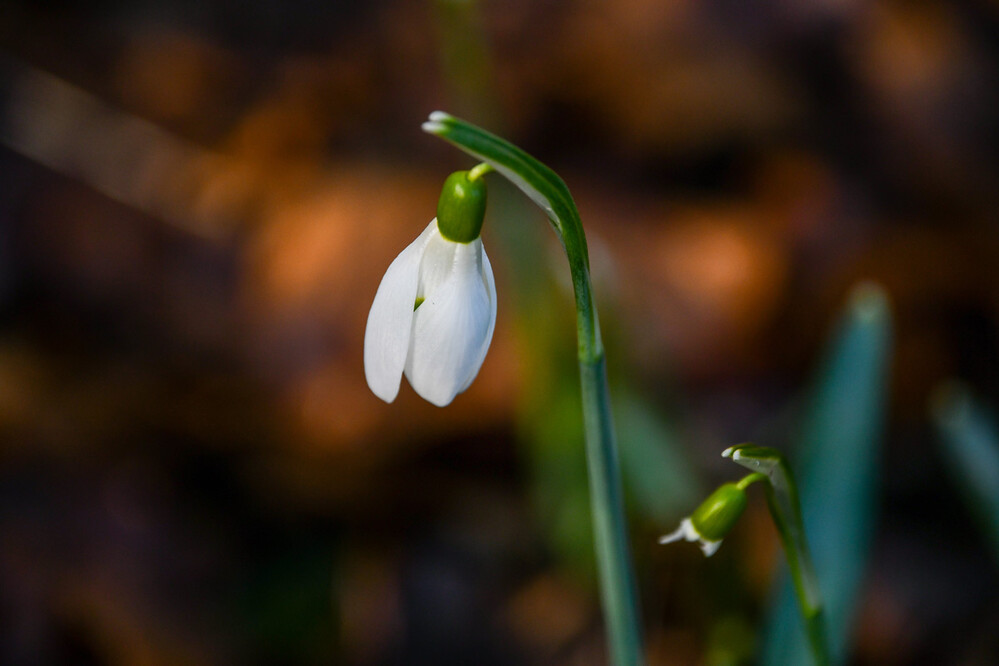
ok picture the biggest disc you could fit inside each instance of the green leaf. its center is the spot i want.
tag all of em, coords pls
(970, 439)
(782, 499)
(659, 478)
(786, 512)
(840, 458)
(548, 191)
(535, 179)
(544, 187)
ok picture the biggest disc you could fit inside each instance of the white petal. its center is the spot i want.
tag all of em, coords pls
(490, 282)
(389, 328)
(688, 532)
(437, 262)
(685, 531)
(709, 548)
(450, 328)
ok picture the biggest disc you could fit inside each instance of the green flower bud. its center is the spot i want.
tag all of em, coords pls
(719, 512)
(461, 208)
(715, 517)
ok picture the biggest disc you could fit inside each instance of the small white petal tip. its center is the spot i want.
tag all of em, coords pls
(709, 548)
(687, 532)
(435, 124)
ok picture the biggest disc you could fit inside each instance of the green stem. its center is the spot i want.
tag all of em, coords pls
(803, 577)
(480, 170)
(749, 480)
(785, 509)
(545, 188)
(617, 584)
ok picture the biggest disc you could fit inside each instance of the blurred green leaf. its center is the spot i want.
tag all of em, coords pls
(839, 452)
(552, 437)
(658, 477)
(785, 509)
(659, 480)
(970, 437)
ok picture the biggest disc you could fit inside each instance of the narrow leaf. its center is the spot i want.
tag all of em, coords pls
(658, 477)
(970, 439)
(535, 179)
(839, 452)
(782, 499)
(546, 189)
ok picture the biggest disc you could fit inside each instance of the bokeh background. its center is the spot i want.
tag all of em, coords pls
(198, 200)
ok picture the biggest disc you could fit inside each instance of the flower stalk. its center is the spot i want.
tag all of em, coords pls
(785, 509)
(716, 516)
(547, 190)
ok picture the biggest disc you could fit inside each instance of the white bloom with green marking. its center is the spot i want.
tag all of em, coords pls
(435, 310)
(687, 532)
(714, 518)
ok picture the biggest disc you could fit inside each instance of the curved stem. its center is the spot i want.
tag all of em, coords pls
(750, 479)
(782, 500)
(479, 170)
(545, 188)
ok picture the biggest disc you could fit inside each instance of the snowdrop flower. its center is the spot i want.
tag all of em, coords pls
(435, 309)
(713, 519)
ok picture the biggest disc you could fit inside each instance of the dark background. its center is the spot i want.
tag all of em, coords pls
(198, 199)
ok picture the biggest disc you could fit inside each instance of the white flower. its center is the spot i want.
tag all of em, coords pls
(688, 532)
(432, 318)
(714, 518)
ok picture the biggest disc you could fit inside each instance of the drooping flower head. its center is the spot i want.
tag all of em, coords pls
(435, 310)
(713, 519)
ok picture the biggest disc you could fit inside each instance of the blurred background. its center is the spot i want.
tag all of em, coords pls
(198, 200)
